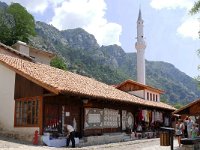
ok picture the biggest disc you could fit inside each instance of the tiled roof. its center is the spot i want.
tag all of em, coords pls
(140, 85)
(59, 81)
(183, 109)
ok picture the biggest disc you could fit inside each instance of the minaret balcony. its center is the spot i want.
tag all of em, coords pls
(140, 45)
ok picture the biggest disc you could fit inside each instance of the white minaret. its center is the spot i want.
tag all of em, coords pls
(140, 47)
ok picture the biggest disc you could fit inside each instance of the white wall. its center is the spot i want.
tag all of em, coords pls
(155, 93)
(24, 49)
(7, 83)
(7, 103)
(38, 57)
(139, 93)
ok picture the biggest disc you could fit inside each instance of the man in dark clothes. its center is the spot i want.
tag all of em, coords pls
(70, 135)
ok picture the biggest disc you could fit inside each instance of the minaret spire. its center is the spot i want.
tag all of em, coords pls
(140, 46)
(140, 15)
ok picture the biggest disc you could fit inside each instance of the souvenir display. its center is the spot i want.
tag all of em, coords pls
(111, 118)
(93, 118)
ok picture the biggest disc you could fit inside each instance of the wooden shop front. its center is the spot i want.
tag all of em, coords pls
(46, 98)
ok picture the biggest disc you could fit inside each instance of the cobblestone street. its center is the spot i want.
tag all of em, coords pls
(146, 144)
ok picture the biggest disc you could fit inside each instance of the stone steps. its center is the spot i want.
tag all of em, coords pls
(104, 139)
(126, 138)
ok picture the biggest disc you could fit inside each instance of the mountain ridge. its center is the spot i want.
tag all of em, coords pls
(111, 64)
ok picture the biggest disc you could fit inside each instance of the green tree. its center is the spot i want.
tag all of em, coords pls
(5, 34)
(178, 105)
(196, 8)
(15, 24)
(58, 62)
(24, 23)
(6, 23)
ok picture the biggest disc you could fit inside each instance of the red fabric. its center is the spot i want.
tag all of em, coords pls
(140, 117)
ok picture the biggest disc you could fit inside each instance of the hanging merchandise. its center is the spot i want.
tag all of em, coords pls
(140, 116)
(143, 115)
(166, 121)
(157, 116)
(161, 117)
(130, 120)
(153, 117)
(150, 116)
(147, 116)
(123, 119)
(74, 124)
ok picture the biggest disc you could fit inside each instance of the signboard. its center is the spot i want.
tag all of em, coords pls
(67, 114)
(130, 120)
(111, 118)
(123, 119)
(93, 118)
(101, 118)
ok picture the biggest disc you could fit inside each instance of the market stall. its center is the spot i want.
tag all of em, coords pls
(192, 109)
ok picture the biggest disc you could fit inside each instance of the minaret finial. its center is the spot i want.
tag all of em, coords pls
(140, 15)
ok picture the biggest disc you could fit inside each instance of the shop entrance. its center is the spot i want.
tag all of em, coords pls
(56, 115)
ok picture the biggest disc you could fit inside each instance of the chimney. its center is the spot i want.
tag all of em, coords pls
(22, 47)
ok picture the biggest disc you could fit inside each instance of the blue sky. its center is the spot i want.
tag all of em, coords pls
(171, 33)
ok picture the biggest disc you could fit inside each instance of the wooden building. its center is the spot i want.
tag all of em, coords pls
(35, 96)
(145, 92)
(191, 109)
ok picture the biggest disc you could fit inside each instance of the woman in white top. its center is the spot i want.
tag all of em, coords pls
(179, 131)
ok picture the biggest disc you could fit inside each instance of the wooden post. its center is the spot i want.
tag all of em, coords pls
(40, 119)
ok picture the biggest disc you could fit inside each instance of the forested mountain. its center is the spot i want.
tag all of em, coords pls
(111, 64)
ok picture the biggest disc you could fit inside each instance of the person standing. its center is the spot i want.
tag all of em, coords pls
(70, 135)
(179, 131)
(189, 127)
(195, 130)
(185, 124)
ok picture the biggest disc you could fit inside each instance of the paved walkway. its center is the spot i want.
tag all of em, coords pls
(146, 144)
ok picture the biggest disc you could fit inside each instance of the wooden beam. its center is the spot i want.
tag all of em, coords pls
(49, 94)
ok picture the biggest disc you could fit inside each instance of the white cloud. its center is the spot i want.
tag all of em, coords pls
(190, 25)
(86, 14)
(172, 4)
(32, 6)
(189, 28)
(89, 15)
(35, 6)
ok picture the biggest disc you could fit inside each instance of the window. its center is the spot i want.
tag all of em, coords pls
(156, 97)
(147, 95)
(27, 111)
(150, 97)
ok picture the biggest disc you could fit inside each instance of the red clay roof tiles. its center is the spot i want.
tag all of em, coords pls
(59, 81)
